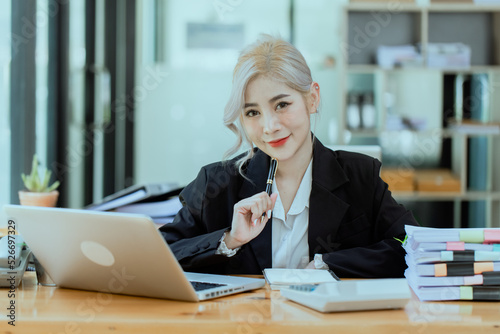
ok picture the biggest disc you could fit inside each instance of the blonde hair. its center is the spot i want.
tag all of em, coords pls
(268, 56)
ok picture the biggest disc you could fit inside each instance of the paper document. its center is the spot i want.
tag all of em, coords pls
(278, 278)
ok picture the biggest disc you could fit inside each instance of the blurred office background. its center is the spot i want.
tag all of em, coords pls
(112, 93)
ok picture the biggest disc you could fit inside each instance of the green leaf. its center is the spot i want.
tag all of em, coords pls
(402, 241)
(53, 186)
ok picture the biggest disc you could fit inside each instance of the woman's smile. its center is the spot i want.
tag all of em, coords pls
(278, 142)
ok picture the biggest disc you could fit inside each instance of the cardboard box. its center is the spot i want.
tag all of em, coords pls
(437, 180)
(398, 179)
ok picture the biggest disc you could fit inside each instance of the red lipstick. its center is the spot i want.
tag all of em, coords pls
(278, 142)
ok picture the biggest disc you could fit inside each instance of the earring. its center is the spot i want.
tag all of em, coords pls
(317, 87)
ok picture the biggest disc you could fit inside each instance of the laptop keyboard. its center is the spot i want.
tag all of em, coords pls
(198, 286)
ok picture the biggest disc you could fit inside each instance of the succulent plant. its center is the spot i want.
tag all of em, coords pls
(34, 183)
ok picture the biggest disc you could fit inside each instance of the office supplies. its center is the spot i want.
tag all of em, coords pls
(270, 179)
(352, 295)
(454, 246)
(161, 212)
(113, 253)
(419, 256)
(137, 194)
(487, 278)
(443, 262)
(279, 278)
(448, 55)
(398, 56)
(157, 209)
(456, 269)
(417, 234)
(13, 260)
(476, 292)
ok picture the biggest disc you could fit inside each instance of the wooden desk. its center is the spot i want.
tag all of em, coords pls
(42, 309)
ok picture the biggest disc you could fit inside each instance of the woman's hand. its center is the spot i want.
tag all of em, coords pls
(247, 222)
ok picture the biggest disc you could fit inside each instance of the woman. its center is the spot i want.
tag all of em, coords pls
(328, 209)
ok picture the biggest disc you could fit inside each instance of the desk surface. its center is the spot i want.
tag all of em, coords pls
(41, 309)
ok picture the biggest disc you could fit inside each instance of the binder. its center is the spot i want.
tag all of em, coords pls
(141, 193)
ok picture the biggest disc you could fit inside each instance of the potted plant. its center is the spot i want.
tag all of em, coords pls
(38, 193)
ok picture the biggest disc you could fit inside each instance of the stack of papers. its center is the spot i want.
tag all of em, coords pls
(279, 278)
(160, 201)
(453, 263)
(398, 56)
(448, 55)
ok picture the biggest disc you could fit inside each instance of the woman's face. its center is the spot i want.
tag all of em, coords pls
(276, 118)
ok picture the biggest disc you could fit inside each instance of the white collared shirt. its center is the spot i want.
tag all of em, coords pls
(290, 248)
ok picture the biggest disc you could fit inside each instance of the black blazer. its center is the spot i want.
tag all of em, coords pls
(353, 218)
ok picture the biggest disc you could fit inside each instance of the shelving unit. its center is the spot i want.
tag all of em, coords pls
(418, 92)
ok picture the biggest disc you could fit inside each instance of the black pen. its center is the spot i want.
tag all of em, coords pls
(270, 179)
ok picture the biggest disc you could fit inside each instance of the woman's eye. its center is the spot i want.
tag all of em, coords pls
(251, 113)
(281, 105)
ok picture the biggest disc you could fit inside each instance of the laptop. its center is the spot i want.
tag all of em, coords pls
(114, 253)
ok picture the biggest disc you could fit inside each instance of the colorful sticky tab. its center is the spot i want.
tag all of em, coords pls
(446, 256)
(473, 280)
(496, 248)
(486, 256)
(474, 236)
(455, 246)
(491, 236)
(481, 267)
(466, 292)
(440, 270)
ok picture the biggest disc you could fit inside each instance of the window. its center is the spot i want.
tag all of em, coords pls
(42, 90)
(5, 14)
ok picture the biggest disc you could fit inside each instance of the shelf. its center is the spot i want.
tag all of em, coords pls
(372, 68)
(432, 94)
(442, 133)
(461, 8)
(411, 7)
(390, 6)
(446, 196)
(471, 70)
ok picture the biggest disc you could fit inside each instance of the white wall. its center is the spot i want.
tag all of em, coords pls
(179, 119)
